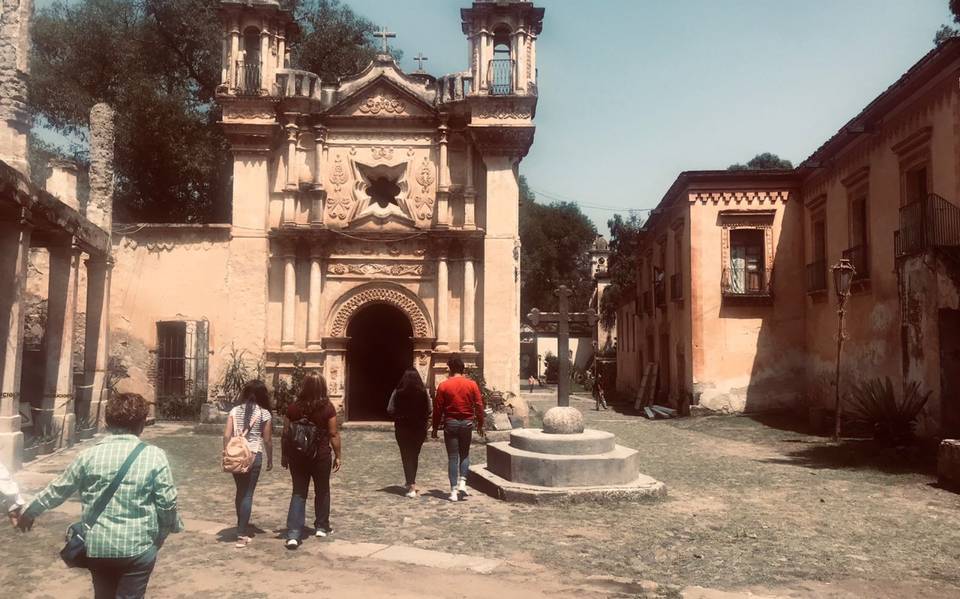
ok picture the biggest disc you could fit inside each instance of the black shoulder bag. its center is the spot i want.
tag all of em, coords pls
(74, 553)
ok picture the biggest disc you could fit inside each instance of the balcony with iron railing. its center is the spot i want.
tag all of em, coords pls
(246, 80)
(859, 257)
(817, 276)
(927, 223)
(746, 282)
(500, 72)
(676, 286)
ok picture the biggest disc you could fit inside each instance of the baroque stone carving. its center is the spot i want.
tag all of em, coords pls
(503, 110)
(375, 269)
(339, 208)
(385, 104)
(425, 176)
(382, 295)
(423, 207)
(381, 153)
(339, 175)
(249, 112)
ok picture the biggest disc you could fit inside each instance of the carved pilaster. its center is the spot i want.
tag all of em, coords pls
(320, 160)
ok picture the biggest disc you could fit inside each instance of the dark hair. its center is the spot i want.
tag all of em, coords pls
(410, 382)
(455, 364)
(254, 392)
(127, 413)
(412, 401)
(313, 391)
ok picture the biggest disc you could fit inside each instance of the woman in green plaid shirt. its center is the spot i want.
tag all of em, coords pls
(122, 545)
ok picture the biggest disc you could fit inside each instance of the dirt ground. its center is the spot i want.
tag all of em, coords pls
(754, 509)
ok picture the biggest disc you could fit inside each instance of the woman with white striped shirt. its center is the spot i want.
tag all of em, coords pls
(251, 418)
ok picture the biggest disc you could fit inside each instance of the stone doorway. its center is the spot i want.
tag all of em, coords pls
(380, 347)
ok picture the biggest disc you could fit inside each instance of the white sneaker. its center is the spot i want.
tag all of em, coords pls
(412, 494)
(291, 544)
(454, 495)
(462, 485)
(320, 533)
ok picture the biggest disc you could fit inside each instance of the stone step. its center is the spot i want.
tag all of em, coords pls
(616, 467)
(588, 442)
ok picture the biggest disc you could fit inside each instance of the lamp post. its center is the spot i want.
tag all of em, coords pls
(843, 272)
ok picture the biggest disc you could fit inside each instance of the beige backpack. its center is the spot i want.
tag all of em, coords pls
(237, 457)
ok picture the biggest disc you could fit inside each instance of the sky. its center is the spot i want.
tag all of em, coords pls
(632, 92)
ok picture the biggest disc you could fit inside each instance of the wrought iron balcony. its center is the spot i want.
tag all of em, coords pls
(746, 282)
(927, 223)
(676, 286)
(247, 79)
(859, 257)
(500, 76)
(817, 276)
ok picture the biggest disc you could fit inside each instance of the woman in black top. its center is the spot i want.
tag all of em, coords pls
(410, 407)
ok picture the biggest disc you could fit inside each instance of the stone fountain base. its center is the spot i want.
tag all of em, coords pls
(563, 462)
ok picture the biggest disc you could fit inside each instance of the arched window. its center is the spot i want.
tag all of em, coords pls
(501, 67)
(248, 77)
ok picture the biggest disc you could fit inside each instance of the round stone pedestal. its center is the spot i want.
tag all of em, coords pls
(562, 462)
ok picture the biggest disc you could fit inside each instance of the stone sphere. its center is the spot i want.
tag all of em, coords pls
(563, 421)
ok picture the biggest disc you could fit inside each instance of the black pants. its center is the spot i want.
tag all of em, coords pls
(410, 438)
(301, 471)
(122, 577)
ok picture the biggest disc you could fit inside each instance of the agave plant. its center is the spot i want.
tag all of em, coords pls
(875, 404)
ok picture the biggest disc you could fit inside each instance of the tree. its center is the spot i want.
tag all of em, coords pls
(157, 62)
(555, 238)
(947, 32)
(625, 235)
(764, 161)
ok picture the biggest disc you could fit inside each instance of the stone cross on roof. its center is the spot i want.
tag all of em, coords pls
(563, 318)
(420, 58)
(384, 35)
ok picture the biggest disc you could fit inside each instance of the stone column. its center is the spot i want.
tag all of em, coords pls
(100, 204)
(314, 326)
(57, 412)
(501, 276)
(443, 181)
(96, 349)
(468, 339)
(469, 193)
(14, 251)
(441, 307)
(232, 74)
(290, 188)
(281, 49)
(288, 329)
(266, 82)
(319, 159)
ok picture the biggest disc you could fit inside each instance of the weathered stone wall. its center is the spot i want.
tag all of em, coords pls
(100, 202)
(15, 117)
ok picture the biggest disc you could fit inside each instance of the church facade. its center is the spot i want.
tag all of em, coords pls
(374, 221)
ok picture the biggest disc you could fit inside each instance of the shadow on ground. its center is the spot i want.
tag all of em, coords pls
(858, 454)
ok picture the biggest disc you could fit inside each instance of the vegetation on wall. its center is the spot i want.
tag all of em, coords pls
(761, 162)
(157, 62)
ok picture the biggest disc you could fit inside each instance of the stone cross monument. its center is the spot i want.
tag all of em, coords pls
(384, 35)
(563, 318)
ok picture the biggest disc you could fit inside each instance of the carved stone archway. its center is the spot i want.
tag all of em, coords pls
(384, 293)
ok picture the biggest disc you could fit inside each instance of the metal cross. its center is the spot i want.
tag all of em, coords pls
(563, 318)
(384, 34)
(420, 58)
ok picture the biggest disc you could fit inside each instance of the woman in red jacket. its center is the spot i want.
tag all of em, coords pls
(458, 405)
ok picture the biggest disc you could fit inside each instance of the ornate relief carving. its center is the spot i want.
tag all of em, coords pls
(374, 248)
(339, 175)
(251, 112)
(382, 295)
(740, 197)
(423, 207)
(381, 153)
(425, 176)
(339, 208)
(380, 269)
(383, 103)
(380, 138)
(503, 110)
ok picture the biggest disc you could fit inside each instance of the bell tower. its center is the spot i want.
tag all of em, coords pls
(502, 36)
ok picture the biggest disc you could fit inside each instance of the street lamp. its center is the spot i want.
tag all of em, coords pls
(843, 272)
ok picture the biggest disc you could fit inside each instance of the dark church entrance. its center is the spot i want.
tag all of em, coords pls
(380, 348)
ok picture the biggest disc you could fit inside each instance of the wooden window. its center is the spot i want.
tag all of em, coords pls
(747, 269)
(859, 218)
(915, 184)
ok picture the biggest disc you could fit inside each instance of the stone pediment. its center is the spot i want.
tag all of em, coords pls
(382, 99)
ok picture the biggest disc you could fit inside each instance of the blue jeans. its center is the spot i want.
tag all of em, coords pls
(246, 483)
(301, 471)
(456, 436)
(122, 577)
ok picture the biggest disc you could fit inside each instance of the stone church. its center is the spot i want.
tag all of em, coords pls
(374, 221)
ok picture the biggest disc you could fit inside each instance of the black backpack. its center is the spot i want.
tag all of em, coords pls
(303, 438)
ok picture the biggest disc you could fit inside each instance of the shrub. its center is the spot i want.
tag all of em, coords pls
(874, 403)
(552, 370)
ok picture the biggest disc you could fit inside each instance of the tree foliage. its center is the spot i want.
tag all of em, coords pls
(157, 62)
(555, 238)
(947, 32)
(764, 161)
(625, 235)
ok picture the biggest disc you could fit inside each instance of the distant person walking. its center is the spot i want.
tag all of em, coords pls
(309, 434)
(458, 405)
(122, 543)
(250, 419)
(410, 407)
